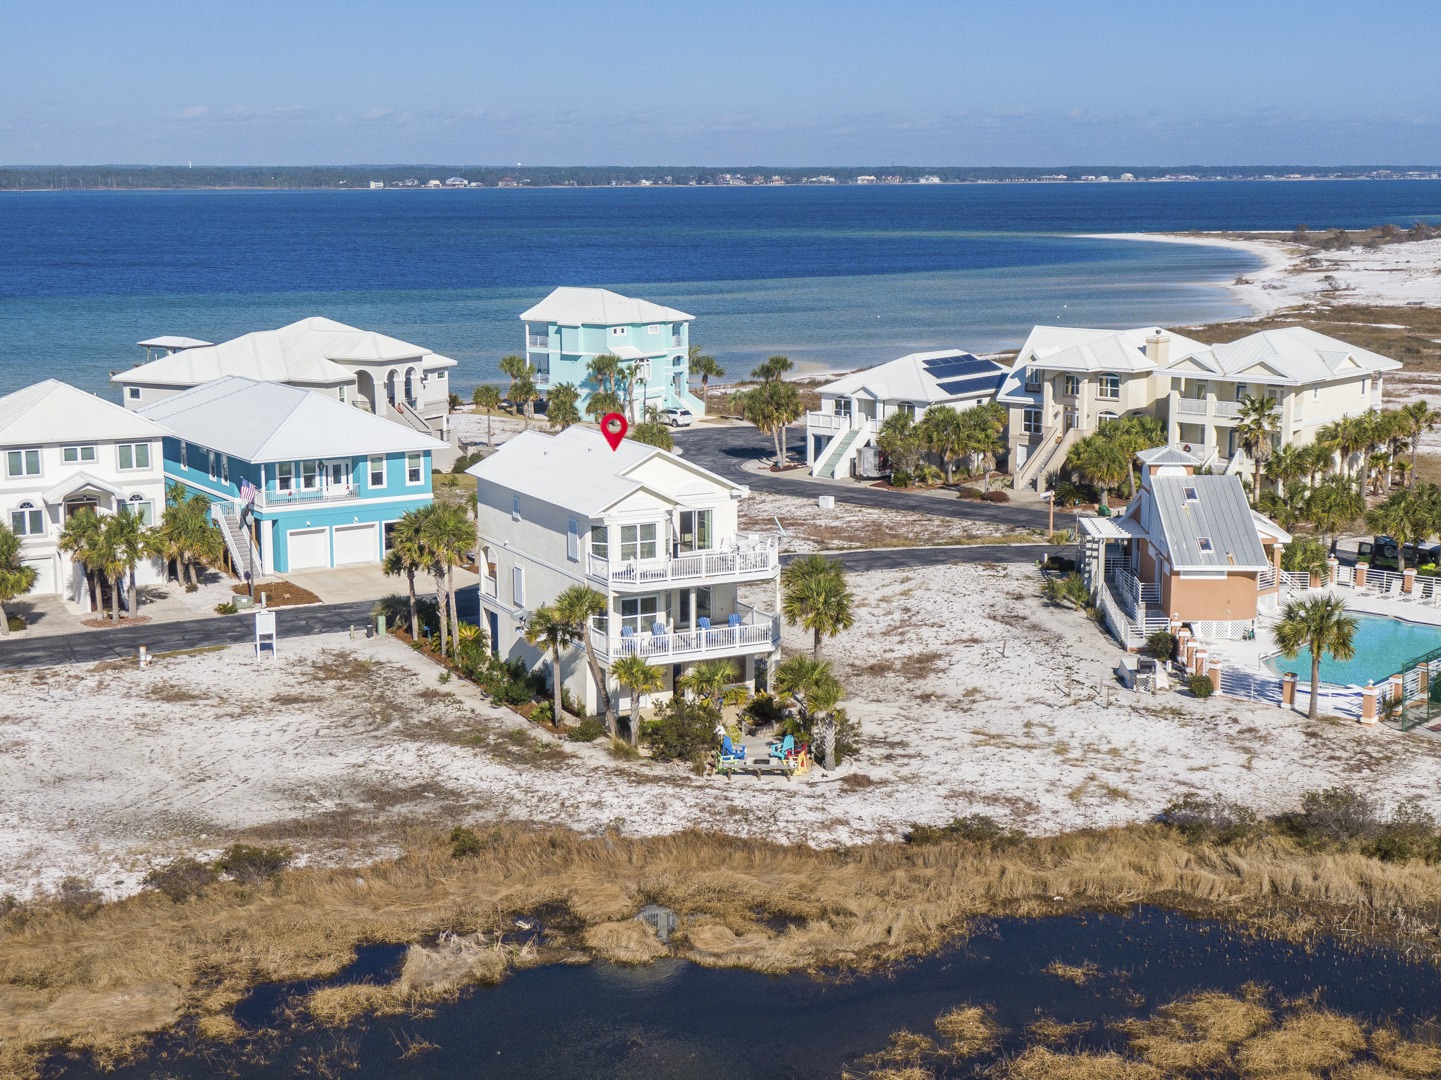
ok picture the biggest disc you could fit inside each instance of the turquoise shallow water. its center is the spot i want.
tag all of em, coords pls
(1383, 646)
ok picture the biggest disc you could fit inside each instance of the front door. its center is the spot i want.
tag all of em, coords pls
(75, 506)
(337, 477)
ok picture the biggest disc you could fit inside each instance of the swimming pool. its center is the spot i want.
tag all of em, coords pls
(1382, 646)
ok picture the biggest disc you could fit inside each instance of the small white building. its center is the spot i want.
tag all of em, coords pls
(67, 452)
(653, 533)
(384, 375)
(854, 408)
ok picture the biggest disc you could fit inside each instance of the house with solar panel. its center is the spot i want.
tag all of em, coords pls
(854, 408)
(1188, 550)
(572, 326)
(296, 480)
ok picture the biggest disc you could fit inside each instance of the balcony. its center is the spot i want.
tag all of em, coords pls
(1228, 409)
(747, 630)
(270, 499)
(754, 558)
(1191, 406)
(537, 341)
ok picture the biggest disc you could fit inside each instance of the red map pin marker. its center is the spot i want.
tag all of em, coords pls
(613, 427)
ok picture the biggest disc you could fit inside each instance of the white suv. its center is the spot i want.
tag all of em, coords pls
(677, 417)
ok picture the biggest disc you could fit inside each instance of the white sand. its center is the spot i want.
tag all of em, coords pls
(974, 698)
(849, 525)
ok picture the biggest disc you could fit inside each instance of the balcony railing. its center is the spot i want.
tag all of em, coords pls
(271, 499)
(1191, 406)
(754, 556)
(538, 341)
(1228, 408)
(747, 630)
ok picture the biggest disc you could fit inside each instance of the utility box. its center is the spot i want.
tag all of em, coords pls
(243, 602)
(868, 463)
(826, 502)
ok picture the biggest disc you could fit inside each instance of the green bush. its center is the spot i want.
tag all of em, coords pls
(228, 608)
(569, 704)
(464, 842)
(929, 475)
(1334, 817)
(901, 479)
(1161, 644)
(510, 682)
(181, 878)
(1410, 833)
(250, 865)
(543, 714)
(465, 461)
(764, 708)
(973, 828)
(1201, 686)
(588, 730)
(1203, 819)
(682, 730)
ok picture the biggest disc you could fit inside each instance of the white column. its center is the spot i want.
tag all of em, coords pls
(267, 558)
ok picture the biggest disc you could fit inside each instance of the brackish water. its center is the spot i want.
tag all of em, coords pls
(676, 1021)
(845, 275)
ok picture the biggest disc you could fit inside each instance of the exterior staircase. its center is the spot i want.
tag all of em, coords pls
(840, 451)
(413, 418)
(1052, 452)
(243, 555)
(1237, 462)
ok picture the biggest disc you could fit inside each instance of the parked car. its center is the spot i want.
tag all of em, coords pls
(677, 417)
(1381, 552)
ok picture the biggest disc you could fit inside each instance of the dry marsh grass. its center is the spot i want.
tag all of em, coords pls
(103, 982)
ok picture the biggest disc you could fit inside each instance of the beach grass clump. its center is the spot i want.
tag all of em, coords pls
(1039, 1063)
(1304, 1044)
(1080, 974)
(969, 1030)
(1198, 1032)
(1406, 1057)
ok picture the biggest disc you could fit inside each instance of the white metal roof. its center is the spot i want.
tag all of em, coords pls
(576, 469)
(1084, 350)
(170, 341)
(81, 481)
(905, 379)
(269, 421)
(314, 351)
(56, 412)
(572, 306)
(1292, 355)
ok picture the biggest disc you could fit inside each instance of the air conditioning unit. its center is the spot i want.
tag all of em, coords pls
(826, 502)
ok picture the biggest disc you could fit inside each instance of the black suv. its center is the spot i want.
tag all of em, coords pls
(1382, 553)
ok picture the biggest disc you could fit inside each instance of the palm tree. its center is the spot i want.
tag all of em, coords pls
(605, 370)
(653, 433)
(16, 579)
(487, 397)
(448, 537)
(1319, 623)
(1306, 555)
(81, 538)
(639, 677)
(773, 370)
(707, 368)
(110, 562)
(771, 407)
(580, 605)
(524, 393)
(1131, 435)
(187, 534)
(513, 367)
(945, 434)
(549, 632)
(1418, 418)
(1318, 458)
(407, 555)
(126, 534)
(1332, 505)
(601, 403)
(1099, 461)
(1407, 516)
(816, 597)
(815, 691)
(1288, 464)
(708, 679)
(1257, 422)
(560, 406)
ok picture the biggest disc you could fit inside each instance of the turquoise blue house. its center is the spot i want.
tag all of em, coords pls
(572, 326)
(297, 480)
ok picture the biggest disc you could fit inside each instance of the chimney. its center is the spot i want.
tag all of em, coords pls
(1158, 348)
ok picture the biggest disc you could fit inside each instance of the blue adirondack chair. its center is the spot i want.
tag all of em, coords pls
(783, 748)
(731, 756)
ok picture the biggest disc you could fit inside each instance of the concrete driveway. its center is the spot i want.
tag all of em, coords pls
(346, 584)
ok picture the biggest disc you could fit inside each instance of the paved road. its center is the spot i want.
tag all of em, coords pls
(725, 450)
(92, 646)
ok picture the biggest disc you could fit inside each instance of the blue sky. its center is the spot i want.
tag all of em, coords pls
(784, 82)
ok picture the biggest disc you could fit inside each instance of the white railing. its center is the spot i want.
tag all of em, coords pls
(822, 422)
(1294, 579)
(1191, 406)
(1137, 592)
(272, 499)
(675, 341)
(538, 341)
(1426, 588)
(754, 630)
(1204, 453)
(760, 557)
(1383, 581)
(1266, 579)
(1227, 408)
(490, 586)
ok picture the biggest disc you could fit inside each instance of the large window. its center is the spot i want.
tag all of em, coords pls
(26, 520)
(377, 471)
(572, 540)
(1073, 385)
(414, 465)
(638, 613)
(695, 530)
(637, 542)
(841, 406)
(907, 407)
(285, 476)
(599, 542)
(1033, 380)
(22, 463)
(74, 455)
(1108, 386)
(142, 508)
(309, 475)
(134, 455)
(1030, 421)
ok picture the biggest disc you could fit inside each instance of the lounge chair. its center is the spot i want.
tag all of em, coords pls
(703, 623)
(734, 620)
(783, 748)
(732, 757)
(658, 629)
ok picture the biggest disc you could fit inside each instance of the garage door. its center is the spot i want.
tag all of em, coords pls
(308, 548)
(357, 544)
(44, 576)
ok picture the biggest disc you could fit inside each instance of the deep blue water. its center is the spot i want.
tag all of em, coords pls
(844, 275)
(676, 1021)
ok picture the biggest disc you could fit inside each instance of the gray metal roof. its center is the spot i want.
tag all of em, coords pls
(1219, 513)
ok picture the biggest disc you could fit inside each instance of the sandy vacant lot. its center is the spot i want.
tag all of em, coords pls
(974, 697)
(848, 525)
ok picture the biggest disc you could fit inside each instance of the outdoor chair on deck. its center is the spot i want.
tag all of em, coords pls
(658, 629)
(783, 748)
(703, 623)
(732, 757)
(734, 620)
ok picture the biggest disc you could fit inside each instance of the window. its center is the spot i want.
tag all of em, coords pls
(309, 475)
(1316, 393)
(1242, 390)
(1192, 495)
(377, 471)
(1108, 386)
(72, 455)
(342, 395)
(638, 613)
(134, 455)
(184, 454)
(695, 530)
(1365, 387)
(22, 463)
(1033, 380)
(285, 476)
(515, 508)
(599, 542)
(702, 607)
(637, 542)
(225, 468)
(388, 535)
(1204, 543)
(618, 331)
(841, 406)
(1073, 385)
(27, 521)
(142, 508)
(907, 407)
(1030, 421)
(414, 464)
(572, 540)
(653, 329)
(676, 329)
(133, 392)
(517, 585)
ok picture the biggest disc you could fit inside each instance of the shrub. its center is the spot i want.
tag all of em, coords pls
(1334, 817)
(1201, 686)
(929, 475)
(75, 897)
(570, 704)
(510, 683)
(250, 865)
(683, 730)
(16, 622)
(191, 587)
(622, 750)
(444, 677)
(464, 842)
(1161, 644)
(900, 478)
(1410, 833)
(543, 714)
(968, 493)
(465, 461)
(995, 496)
(181, 878)
(1060, 564)
(227, 608)
(764, 708)
(973, 828)
(1203, 819)
(588, 730)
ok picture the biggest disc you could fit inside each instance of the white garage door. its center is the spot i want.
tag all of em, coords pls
(356, 544)
(44, 575)
(308, 548)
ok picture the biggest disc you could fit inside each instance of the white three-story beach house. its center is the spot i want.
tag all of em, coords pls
(654, 534)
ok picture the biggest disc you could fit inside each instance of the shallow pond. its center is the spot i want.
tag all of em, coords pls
(673, 1020)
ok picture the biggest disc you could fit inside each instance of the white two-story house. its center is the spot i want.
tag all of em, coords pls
(656, 535)
(853, 408)
(67, 451)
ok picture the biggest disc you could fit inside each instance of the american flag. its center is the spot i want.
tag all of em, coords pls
(247, 491)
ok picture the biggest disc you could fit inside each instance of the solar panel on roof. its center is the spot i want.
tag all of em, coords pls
(942, 367)
(985, 383)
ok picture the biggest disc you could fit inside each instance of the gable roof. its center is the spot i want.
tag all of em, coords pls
(1292, 355)
(269, 421)
(1219, 512)
(1167, 455)
(576, 469)
(312, 351)
(1084, 350)
(573, 306)
(55, 412)
(925, 376)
